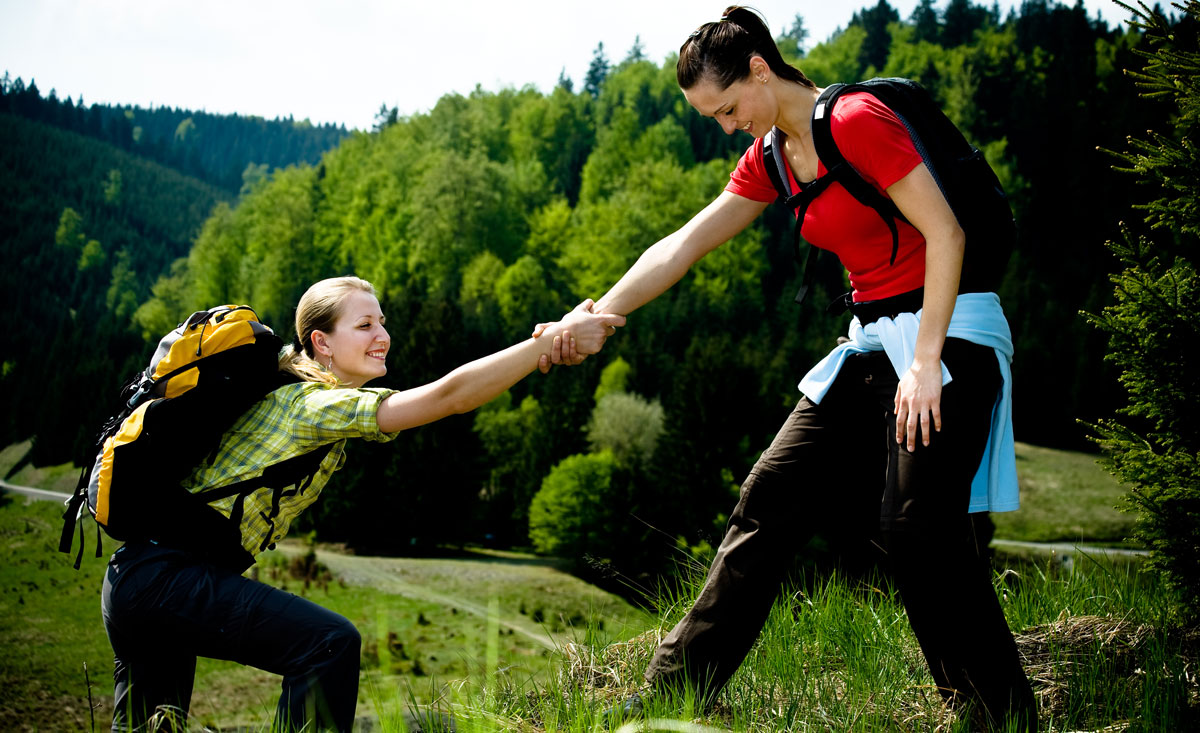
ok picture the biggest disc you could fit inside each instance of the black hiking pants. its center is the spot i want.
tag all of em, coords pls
(840, 459)
(163, 608)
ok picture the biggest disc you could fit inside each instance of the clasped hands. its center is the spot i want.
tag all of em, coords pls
(583, 334)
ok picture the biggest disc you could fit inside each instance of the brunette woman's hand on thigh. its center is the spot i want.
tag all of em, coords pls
(918, 403)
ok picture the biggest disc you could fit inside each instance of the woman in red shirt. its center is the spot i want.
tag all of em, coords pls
(877, 432)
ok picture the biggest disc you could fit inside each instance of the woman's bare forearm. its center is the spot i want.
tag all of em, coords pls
(482, 380)
(666, 261)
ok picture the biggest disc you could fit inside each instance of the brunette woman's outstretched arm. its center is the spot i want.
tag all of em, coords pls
(666, 261)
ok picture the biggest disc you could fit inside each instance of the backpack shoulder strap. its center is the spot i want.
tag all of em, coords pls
(776, 163)
(840, 168)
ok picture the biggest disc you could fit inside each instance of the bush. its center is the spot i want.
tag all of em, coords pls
(628, 425)
(571, 515)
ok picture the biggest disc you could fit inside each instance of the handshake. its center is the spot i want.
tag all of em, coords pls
(580, 334)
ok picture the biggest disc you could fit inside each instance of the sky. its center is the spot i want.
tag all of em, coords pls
(337, 61)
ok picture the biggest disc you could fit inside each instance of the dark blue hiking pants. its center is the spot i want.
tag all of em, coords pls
(163, 608)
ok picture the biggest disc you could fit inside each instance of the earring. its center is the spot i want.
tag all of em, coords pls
(329, 366)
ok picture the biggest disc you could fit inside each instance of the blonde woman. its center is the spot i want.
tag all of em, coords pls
(165, 604)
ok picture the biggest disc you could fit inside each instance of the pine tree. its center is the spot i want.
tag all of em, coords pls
(798, 32)
(597, 72)
(1154, 446)
(875, 47)
(385, 117)
(924, 19)
(962, 19)
(637, 52)
(564, 82)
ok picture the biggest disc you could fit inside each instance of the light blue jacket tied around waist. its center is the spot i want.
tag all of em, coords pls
(977, 318)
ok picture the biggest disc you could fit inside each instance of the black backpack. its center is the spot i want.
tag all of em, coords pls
(966, 180)
(204, 375)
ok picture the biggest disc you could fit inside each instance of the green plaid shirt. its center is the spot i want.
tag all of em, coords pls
(292, 420)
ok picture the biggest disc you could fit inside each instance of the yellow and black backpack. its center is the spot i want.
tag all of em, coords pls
(203, 376)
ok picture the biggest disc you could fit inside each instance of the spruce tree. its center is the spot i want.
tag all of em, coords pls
(1153, 326)
(878, 43)
(597, 72)
(924, 19)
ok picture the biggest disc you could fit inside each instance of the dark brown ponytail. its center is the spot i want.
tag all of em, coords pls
(721, 51)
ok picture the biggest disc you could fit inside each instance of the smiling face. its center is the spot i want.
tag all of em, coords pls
(744, 105)
(358, 342)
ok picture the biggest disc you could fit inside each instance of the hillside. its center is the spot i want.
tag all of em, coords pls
(218, 149)
(425, 623)
(85, 230)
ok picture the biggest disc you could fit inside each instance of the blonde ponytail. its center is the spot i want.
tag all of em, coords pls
(305, 368)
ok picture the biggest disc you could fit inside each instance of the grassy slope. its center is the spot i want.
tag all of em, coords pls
(49, 613)
(50, 624)
(60, 478)
(1065, 496)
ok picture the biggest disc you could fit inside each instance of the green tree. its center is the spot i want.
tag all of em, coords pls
(69, 234)
(514, 441)
(112, 186)
(564, 82)
(1155, 445)
(253, 176)
(185, 130)
(574, 511)
(495, 210)
(169, 304)
(614, 379)
(597, 72)
(385, 117)
(637, 52)
(478, 292)
(877, 42)
(91, 256)
(962, 19)
(924, 20)
(122, 297)
(797, 33)
(628, 426)
(524, 297)
(836, 59)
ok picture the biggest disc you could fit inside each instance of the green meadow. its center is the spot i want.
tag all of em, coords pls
(509, 641)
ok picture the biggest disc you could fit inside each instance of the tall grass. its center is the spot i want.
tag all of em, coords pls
(836, 653)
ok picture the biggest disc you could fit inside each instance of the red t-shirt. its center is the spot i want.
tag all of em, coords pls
(877, 145)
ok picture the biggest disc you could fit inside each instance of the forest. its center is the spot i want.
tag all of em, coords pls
(214, 148)
(496, 210)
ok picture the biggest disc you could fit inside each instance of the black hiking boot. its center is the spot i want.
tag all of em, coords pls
(628, 710)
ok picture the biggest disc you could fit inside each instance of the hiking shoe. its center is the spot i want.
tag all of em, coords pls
(627, 710)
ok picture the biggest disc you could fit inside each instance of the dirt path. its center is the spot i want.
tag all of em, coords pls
(384, 573)
(34, 493)
(443, 582)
